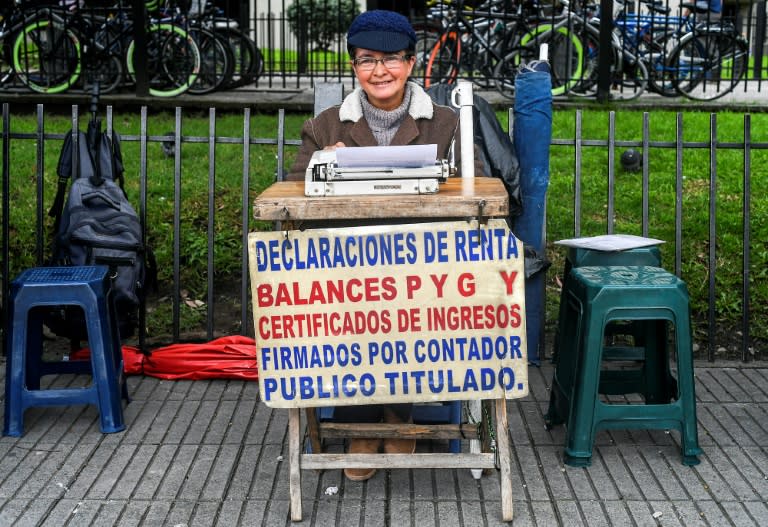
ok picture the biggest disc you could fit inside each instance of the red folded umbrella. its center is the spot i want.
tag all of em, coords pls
(232, 357)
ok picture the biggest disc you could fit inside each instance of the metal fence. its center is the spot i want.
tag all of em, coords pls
(299, 49)
(26, 176)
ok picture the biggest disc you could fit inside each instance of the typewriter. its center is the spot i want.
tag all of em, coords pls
(376, 170)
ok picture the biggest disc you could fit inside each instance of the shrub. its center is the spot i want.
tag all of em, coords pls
(321, 21)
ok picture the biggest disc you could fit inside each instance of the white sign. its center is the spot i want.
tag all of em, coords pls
(368, 315)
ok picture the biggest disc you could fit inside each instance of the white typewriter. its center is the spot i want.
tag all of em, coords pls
(377, 170)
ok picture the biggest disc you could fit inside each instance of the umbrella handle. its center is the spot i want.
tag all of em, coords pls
(95, 100)
(463, 98)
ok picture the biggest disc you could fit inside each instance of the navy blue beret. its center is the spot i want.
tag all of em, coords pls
(380, 30)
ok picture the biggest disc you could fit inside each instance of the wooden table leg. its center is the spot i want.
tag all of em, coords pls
(313, 431)
(505, 459)
(475, 409)
(294, 453)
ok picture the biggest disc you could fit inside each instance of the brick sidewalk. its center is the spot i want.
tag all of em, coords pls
(206, 453)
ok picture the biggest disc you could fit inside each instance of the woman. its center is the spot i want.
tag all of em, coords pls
(385, 110)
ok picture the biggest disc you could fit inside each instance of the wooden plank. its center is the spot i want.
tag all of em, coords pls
(505, 460)
(399, 431)
(294, 454)
(458, 198)
(313, 430)
(409, 461)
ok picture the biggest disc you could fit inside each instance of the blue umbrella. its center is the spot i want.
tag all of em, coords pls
(532, 135)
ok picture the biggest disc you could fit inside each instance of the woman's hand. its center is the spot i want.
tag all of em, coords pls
(334, 147)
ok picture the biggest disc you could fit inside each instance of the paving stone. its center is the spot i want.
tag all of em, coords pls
(736, 482)
(253, 512)
(206, 453)
(85, 513)
(374, 513)
(157, 512)
(217, 483)
(399, 512)
(667, 478)
(204, 514)
(229, 513)
(133, 513)
(641, 473)
(532, 471)
(689, 514)
(616, 512)
(472, 513)
(735, 513)
(569, 513)
(277, 513)
(580, 481)
(544, 513)
(198, 472)
(712, 513)
(351, 512)
(400, 485)
(717, 385)
(756, 384)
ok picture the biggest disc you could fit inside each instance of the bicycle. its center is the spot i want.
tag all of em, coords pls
(12, 19)
(699, 60)
(629, 74)
(45, 53)
(49, 51)
(246, 61)
(469, 41)
(565, 50)
(216, 57)
(495, 43)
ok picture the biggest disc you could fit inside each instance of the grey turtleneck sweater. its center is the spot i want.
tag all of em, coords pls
(385, 123)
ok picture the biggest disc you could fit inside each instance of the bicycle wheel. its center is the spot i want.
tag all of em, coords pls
(108, 72)
(661, 76)
(709, 65)
(173, 60)
(6, 62)
(505, 72)
(443, 63)
(46, 57)
(566, 55)
(587, 84)
(248, 61)
(216, 61)
(426, 38)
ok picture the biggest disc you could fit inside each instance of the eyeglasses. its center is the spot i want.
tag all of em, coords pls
(391, 62)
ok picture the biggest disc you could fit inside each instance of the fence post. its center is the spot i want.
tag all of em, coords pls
(759, 44)
(605, 56)
(140, 51)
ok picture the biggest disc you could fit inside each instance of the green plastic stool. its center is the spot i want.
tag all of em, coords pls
(580, 257)
(596, 297)
(639, 345)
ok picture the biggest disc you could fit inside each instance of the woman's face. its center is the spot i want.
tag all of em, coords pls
(384, 83)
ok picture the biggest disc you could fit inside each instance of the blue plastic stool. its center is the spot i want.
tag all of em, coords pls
(34, 290)
(596, 297)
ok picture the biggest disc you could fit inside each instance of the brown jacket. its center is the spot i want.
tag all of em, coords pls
(426, 123)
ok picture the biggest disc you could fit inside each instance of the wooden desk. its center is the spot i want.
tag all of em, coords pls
(480, 198)
(458, 198)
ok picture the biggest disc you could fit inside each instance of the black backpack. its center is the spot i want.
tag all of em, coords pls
(98, 226)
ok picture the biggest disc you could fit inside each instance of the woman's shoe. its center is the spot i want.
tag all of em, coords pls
(362, 446)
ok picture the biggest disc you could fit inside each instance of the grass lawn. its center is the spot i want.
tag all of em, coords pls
(228, 164)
